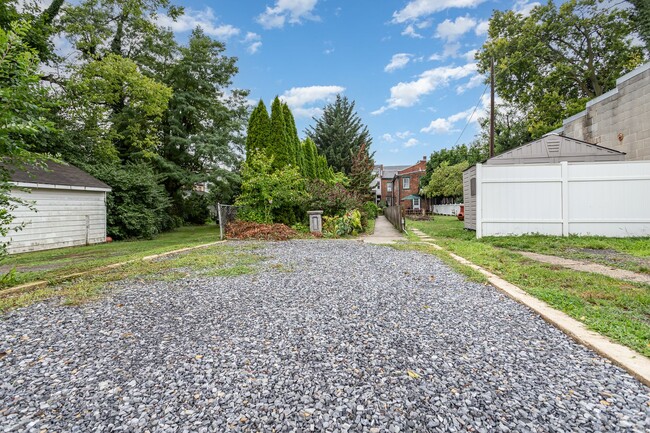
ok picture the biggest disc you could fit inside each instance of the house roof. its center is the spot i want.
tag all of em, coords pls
(55, 174)
(391, 170)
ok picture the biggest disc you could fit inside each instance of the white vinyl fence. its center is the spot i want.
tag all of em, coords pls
(446, 209)
(587, 198)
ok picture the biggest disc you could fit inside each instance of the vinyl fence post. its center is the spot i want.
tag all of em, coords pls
(565, 197)
(479, 199)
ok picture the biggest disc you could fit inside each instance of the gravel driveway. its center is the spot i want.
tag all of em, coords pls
(332, 335)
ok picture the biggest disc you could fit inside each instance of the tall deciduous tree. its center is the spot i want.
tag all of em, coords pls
(641, 18)
(473, 153)
(550, 63)
(278, 141)
(23, 110)
(259, 128)
(339, 133)
(201, 138)
(446, 181)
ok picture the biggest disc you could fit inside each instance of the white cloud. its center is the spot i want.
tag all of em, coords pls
(254, 47)
(300, 98)
(469, 55)
(410, 32)
(409, 93)
(254, 42)
(394, 150)
(388, 138)
(204, 19)
(524, 7)
(403, 135)
(482, 28)
(473, 82)
(446, 125)
(411, 142)
(292, 11)
(452, 30)
(417, 9)
(398, 61)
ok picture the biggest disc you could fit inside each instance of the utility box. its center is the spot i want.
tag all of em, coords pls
(315, 221)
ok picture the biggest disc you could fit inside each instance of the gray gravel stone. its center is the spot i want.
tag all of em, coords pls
(355, 338)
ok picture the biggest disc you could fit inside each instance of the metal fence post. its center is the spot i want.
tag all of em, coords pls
(220, 221)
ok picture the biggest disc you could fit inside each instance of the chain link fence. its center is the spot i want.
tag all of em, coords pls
(226, 214)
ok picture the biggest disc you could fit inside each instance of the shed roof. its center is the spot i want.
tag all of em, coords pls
(55, 174)
(556, 148)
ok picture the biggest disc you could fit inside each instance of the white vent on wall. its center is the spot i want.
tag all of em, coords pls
(553, 146)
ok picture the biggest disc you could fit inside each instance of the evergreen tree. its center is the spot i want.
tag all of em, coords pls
(278, 140)
(309, 164)
(259, 128)
(292, 134)
(339, 134)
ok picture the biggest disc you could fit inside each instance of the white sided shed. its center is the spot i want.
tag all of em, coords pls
(68, 208)
(531, 158)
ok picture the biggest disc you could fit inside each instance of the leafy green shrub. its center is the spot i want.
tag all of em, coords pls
(269, 195)
(136, 207)
(371, 209)
(347, 224)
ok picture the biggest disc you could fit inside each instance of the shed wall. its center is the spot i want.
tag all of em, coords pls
(468, 199)
(63, 218)
(597, 199)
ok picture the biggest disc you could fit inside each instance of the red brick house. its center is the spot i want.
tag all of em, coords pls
(405, 187)
(386, 173)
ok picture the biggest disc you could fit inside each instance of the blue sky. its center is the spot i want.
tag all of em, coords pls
(408, 64)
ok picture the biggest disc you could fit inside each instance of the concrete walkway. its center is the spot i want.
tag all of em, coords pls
(384, 233)
(578, 265)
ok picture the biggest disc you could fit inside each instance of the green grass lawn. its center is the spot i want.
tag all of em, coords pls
(221, 260)
(618, 309)
(53, 264)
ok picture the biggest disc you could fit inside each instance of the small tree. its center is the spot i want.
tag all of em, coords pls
(446, 181)
(361, 175)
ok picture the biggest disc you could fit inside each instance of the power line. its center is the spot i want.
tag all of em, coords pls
(469, 119)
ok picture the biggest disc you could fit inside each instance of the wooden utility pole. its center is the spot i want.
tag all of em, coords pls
(491, 107)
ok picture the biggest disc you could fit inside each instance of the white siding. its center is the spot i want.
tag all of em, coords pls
(600, 199)
(62, 218)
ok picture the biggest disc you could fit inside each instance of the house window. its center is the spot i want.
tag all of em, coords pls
(472, 186)
(389, 201)
(416, 203)
(406, 183)
(389, 187)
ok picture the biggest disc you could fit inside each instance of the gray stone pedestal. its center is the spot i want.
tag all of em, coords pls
(315, 221)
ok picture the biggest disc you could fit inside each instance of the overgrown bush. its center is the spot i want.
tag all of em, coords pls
(371, 209)
(347, 224)
(332, 199)
(136, 207)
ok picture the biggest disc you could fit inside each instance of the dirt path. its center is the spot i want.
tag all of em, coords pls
(583, 266)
